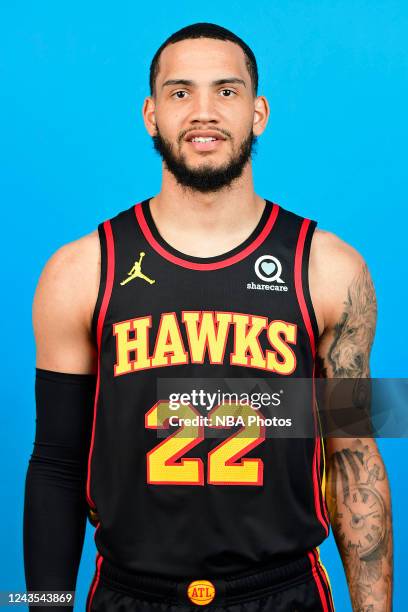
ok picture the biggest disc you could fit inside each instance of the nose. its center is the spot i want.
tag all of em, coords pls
(203, 108)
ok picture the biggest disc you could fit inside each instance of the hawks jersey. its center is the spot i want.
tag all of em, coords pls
(184, 503)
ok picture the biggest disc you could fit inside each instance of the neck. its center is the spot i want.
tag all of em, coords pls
(206, 224)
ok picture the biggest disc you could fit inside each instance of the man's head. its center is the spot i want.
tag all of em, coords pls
(203, 83)
(205, 30)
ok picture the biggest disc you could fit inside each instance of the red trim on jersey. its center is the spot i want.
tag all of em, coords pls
(317, 457)
(298, 283)
(206, 266)
(323, 596)
(319, 503)
(110, 273)
(95, 581)
(323, 576)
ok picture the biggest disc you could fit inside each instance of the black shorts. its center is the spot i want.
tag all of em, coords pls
(301, 585)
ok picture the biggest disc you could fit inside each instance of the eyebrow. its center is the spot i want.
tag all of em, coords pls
(190, 83)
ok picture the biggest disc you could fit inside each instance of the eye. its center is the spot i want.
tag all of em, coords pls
(175, 94)
(229, 92)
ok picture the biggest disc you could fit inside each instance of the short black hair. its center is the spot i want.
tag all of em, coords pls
(205, 30)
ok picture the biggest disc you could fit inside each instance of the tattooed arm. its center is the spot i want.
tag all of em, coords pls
(357, 491)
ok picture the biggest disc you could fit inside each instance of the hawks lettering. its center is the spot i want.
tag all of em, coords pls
(207, 334)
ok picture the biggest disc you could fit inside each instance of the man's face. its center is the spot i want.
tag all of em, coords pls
(204, 91)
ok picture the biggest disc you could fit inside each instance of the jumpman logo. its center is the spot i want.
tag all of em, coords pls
(136, 272)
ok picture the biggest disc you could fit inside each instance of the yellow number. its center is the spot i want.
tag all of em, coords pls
(161, 460)
(226, 466)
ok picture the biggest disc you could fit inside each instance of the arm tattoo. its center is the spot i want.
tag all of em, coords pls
(353, 334)
(357, 491)
(361, 522)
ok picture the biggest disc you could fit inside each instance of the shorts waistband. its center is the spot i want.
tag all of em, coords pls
(226, 590)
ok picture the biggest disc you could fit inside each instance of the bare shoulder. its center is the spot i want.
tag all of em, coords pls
(70, 278)
(338, 273)
(329, 250)
(63, 305)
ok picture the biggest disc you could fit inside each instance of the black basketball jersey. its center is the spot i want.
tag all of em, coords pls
(169, 499)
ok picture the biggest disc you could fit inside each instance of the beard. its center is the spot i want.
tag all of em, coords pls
(206, 178)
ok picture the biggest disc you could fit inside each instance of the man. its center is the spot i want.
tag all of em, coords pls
(206, 280)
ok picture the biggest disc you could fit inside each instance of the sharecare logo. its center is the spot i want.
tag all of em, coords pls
(269, 269)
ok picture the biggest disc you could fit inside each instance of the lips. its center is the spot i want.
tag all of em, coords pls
(204, 134)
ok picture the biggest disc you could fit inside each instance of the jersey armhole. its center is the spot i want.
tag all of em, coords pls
(102, 281)
(302, 254)
(305, 279)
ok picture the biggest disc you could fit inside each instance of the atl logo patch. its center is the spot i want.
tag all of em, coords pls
(201, 592)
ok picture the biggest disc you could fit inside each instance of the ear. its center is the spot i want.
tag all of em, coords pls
(261, 115)
(149, 116)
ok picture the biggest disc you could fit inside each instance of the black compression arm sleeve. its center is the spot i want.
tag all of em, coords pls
(55, 508)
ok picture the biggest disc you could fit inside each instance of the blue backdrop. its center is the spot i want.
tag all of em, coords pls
(75, 152)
